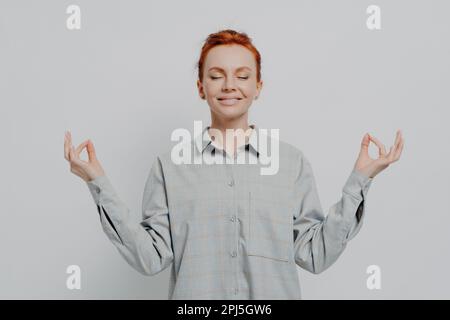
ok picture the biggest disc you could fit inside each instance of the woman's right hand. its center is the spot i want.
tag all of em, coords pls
(86, 170)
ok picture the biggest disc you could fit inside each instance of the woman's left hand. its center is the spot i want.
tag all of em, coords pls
(371, 167)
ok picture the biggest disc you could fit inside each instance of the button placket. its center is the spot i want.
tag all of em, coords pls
(235, 240)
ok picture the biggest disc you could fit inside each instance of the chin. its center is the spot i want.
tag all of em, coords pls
(230, 112)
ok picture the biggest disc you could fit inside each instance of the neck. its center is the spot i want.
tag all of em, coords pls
(224, 124)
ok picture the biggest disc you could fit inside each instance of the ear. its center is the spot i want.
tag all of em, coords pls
(200, 89)
(259, 87)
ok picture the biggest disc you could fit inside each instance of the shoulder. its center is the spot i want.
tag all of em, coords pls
(289, 150)
(165, 157)
(290, 156)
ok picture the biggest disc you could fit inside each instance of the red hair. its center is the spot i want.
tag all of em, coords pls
(228, 37)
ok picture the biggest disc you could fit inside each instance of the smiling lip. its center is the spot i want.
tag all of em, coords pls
(229, 101)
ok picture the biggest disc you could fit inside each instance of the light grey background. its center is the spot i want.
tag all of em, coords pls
(126, 80)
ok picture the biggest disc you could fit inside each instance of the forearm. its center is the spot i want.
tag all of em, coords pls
(325, 239)
(139, 243)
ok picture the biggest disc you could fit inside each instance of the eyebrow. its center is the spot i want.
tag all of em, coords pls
(238, 69)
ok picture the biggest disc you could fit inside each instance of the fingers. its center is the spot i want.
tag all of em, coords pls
(72, 155)
(365, 142)
(399, 149)
(91, 150)
(81, 147)
(394, 149)
(67, 145)
(365, 145)
(381, 147)
(390, 154)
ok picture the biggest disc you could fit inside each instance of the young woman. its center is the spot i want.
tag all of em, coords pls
(229, 231)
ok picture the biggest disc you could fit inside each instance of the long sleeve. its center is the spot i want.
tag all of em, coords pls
(146, 246)
(320, 240)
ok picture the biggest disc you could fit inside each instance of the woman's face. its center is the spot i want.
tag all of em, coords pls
(229, 82)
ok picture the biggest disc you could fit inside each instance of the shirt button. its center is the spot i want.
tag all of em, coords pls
(232, 219)
(231, 183)
(233, 254)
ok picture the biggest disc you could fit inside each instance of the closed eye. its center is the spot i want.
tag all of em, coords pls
(243, 78)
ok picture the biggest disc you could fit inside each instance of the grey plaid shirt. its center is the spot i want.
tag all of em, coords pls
(228, 231)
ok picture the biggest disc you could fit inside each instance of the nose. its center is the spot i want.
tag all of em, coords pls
(229, 84)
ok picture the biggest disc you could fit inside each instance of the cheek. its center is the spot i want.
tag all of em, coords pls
(249, 90)
(248, 86)
(211, 89)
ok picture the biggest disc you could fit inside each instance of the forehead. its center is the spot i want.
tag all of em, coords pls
(230, 57)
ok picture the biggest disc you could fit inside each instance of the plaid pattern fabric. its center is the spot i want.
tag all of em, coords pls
(227, 231)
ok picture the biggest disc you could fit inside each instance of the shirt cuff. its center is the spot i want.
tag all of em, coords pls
(100, 188)
(357, 184)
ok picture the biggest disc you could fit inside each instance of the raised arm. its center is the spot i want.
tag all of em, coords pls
(318, 239)
(145, 245)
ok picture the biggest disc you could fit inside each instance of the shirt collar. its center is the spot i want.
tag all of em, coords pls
(204, 139)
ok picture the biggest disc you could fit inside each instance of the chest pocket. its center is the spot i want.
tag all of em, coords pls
(270, 232)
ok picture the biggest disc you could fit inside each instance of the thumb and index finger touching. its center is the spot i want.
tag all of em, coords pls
(74, 154)
(381, 148)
